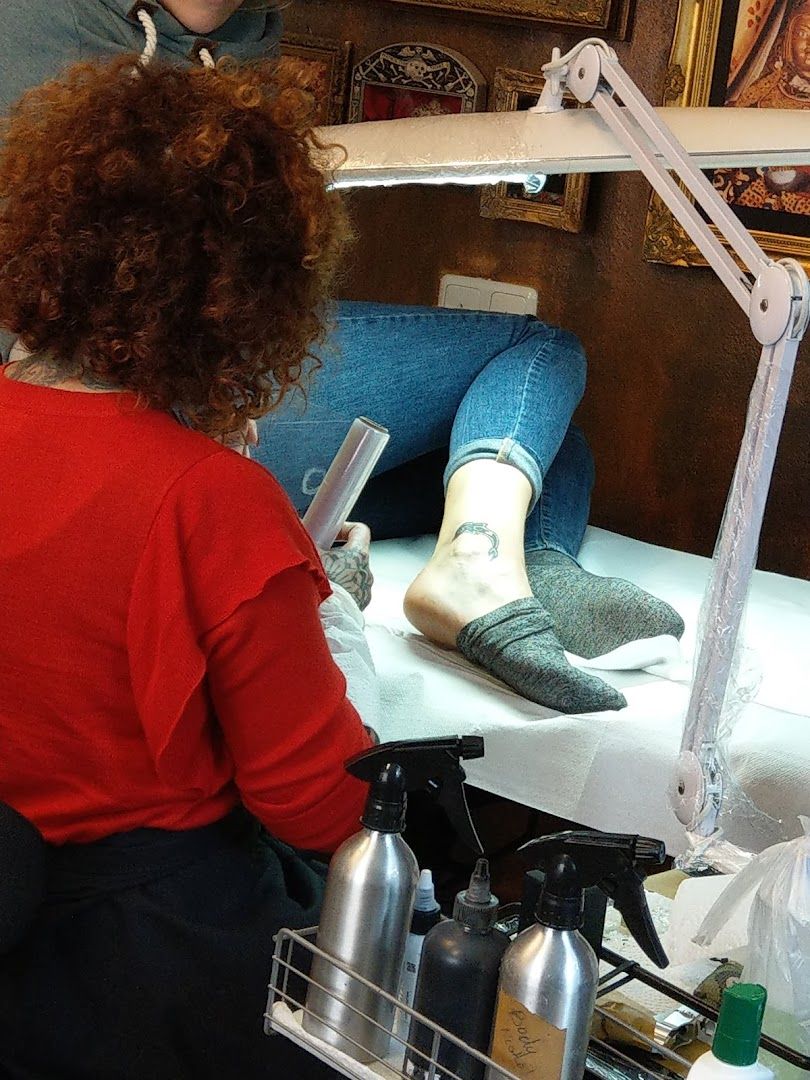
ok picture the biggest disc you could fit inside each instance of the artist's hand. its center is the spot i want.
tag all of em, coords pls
(348, 565)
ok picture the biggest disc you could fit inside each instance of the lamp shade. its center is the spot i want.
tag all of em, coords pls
(482, 148)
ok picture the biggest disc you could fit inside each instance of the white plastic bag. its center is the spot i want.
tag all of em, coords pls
(778, 953)
(343, 625)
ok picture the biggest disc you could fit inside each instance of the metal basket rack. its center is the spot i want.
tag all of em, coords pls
(294, 951)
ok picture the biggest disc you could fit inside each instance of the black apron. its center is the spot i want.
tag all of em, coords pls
(150, 956)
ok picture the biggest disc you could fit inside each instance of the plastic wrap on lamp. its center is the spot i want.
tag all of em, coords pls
(345, 479)
(714, 706)
(485, 148)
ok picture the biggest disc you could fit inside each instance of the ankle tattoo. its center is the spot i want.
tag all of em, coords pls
(480, 528)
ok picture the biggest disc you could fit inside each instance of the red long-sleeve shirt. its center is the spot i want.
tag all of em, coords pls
(161, 655)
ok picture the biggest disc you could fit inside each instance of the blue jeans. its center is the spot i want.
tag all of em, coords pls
(484, 385)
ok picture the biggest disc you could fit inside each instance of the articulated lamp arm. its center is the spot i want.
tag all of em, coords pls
(776, 299)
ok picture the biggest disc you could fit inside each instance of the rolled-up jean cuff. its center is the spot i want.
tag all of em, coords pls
(505, 450)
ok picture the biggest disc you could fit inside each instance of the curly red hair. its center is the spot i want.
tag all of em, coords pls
(169, 230)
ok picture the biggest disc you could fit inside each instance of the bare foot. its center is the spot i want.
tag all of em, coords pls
(460, 583)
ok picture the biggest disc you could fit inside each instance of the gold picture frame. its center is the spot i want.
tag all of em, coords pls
(321, 67)
(708, 54)
(562, 202)
(611, 17)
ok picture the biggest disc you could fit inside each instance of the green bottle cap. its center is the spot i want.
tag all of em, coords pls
(739, 1027)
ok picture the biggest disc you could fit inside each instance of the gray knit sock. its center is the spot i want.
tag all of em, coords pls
(595, 615)
(517, 644)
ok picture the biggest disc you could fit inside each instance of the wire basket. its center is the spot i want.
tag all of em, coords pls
(289, 980)
(449, 1058)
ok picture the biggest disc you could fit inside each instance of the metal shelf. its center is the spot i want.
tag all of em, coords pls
(294, 951)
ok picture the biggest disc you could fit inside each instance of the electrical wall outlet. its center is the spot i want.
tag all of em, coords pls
(479, 294)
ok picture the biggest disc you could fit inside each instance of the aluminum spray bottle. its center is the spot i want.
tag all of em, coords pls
(549, 974)
(370, 889)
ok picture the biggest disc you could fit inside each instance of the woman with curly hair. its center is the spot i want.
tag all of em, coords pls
(166, 691)
(479, 405)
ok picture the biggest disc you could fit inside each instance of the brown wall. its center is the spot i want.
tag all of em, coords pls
(671, 357)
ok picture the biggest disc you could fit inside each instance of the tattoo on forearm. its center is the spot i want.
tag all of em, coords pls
(351, 570)
(480, 528)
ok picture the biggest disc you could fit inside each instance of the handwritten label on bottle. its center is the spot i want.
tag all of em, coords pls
(525, 1044)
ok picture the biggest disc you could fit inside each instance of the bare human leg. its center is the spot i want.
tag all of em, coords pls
(478, 564)
(474, 593)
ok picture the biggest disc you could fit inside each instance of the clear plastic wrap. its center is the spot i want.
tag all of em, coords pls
(778, 954)
(344, 481)
(484, 148)
(705, 793)
(343, 624)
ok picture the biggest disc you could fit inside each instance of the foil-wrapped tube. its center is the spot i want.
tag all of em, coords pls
(345, 479)
(484, 148)
(679, 1027)
(703, 781)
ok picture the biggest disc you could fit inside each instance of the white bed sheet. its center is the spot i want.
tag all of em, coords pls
(609, 770)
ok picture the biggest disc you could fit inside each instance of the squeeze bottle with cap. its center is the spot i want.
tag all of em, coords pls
(549, 974)
(733, 1055)
(458, 979)
(370, 891)
(426, 914)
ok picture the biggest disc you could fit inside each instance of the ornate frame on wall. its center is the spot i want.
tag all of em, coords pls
(414, 78)
(607, 16)
(323, 67)
(560, 209)
(692, 81)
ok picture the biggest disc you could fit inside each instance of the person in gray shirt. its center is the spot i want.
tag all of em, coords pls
(503, 586)
(40, 37)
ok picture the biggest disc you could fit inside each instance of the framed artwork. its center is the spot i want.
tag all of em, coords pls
(561, 203)
(321, 67)
(608, 16)
(414, 78)
(742, 54)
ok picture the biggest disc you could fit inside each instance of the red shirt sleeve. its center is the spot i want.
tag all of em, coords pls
(281, 703)
(224, 639)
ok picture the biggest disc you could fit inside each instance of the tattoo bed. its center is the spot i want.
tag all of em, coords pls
(520, 147)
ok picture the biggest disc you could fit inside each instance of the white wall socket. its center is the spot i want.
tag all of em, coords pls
(479, 294)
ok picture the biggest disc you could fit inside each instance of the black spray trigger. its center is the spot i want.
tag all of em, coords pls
(453, 800)
(432, 765)
(422, 760)
(629, 898)
(615, 862)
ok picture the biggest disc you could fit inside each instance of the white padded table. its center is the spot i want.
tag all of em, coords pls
(609, 770)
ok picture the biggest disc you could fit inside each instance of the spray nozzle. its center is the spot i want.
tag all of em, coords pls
(617, 863)
(478, 891)
(426, 764)
(476, 907)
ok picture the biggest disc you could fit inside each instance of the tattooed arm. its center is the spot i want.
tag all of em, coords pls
(342, 622)
(348, 565)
